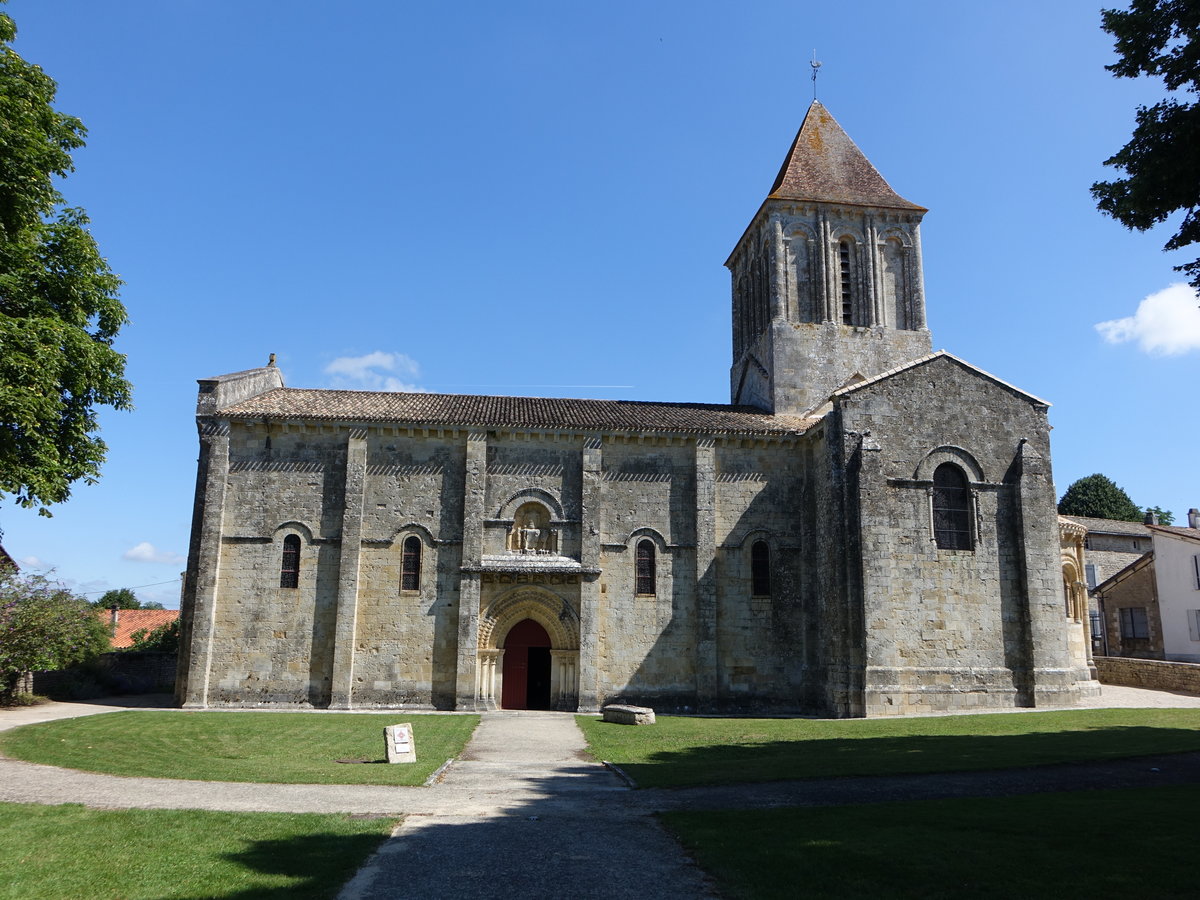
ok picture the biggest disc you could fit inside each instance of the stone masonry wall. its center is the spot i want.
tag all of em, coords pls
(405, 641)
(1136, 590)
(760, 639)
(647, 643)
(1149, 673)
(273, 645)
(950, 629)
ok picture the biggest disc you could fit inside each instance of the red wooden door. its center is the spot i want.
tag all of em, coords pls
(524, 635)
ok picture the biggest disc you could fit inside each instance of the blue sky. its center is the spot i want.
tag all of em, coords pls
(537, 198)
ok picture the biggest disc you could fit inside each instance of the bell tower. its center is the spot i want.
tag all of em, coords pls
(827, 282)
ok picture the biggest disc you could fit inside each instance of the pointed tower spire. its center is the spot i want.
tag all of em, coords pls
(827, 282)
(824, 165)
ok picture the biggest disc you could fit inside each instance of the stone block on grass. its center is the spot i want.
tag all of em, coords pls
(628, 715)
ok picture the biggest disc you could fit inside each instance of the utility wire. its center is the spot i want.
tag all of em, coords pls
(134, 588)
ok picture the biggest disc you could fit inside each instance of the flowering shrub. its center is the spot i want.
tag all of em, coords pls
(43, 626)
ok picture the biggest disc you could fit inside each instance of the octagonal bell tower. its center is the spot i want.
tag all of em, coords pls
(827, 281)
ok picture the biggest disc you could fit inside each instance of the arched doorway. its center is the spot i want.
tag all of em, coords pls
(526, 665)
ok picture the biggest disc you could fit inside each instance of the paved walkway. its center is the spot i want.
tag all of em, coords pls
(524, 806)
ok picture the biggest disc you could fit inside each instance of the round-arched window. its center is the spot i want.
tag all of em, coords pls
(645, 576)
(410, 566)
(951, 508)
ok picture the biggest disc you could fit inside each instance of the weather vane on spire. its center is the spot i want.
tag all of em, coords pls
(816, 66)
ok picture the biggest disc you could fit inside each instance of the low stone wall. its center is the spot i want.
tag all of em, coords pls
(1149, 673)
(126, 672)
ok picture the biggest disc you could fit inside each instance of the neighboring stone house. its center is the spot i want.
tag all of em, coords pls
(1151, 608)
(1110, 545)
(868, 529)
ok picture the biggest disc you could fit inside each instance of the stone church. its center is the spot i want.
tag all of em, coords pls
(868, 528)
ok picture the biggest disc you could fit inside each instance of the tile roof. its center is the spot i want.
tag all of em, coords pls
(823, 164)
(1110, 526)
(481, 411)
(131, 620)
(1144, 560)
(1175, 530)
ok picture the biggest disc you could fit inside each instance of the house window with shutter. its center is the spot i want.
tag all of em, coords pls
(289, 566)
(1134, 623)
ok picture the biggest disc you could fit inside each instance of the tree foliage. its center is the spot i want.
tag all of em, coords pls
(43, 626)
(1165, 516)
(123, 598)
(1160, 38)
(1098, 497)
(59, 310)
(163, 639)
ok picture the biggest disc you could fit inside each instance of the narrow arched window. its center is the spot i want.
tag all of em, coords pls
(289, 567)
(645, 577)
(760, 569)
(951, 508)
(844, 280)
(410, 569)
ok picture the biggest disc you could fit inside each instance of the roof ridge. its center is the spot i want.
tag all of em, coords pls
(1177, 531)
(497, 411)
(688, 404)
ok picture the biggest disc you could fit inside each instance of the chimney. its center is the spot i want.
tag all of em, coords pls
(1151, 517)
(1194, 518)
(113, 615)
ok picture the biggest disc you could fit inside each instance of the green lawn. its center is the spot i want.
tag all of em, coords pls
(288, 748)
(53, 852)
(1097, 844)
(679, 752)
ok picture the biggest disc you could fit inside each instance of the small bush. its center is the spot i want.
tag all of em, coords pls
(22, 699)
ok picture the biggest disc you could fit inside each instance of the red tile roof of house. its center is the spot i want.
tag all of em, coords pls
(131, 620)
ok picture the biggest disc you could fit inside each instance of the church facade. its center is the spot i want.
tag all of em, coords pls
(868, 528)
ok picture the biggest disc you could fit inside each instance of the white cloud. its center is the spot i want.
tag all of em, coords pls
(1166, 323)
(33, 562)
(148, 553)
(376, 371)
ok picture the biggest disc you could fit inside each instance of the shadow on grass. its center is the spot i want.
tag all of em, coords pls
(1027, 847)
(900, 755)
(307, 866)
